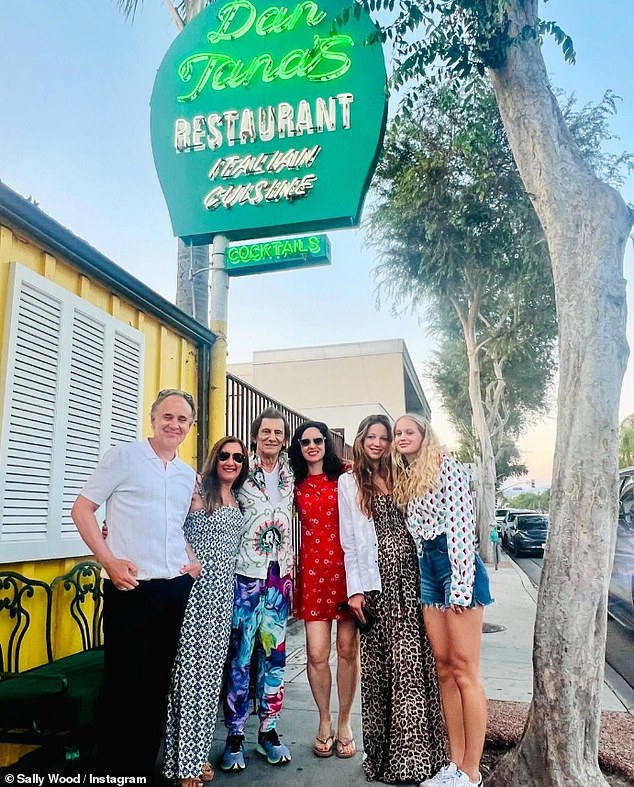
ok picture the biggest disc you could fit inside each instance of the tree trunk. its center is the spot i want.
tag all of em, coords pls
(497, 415)
(485, 496)
(586, 225)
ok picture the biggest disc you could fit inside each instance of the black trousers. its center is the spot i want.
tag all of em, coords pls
(141, 631)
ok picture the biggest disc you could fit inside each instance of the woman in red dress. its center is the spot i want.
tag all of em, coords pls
(320, 590)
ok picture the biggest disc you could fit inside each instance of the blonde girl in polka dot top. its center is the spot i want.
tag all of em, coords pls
(432, 487)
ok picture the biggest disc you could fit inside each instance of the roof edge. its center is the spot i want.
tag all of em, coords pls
(20, 214)
(410, 370)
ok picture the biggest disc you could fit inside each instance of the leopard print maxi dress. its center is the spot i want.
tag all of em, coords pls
(403, 729)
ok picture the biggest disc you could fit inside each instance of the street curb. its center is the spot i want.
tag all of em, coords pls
(621, 689)
(615, 682)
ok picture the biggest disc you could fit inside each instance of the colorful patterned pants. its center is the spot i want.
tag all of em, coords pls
(260, 610)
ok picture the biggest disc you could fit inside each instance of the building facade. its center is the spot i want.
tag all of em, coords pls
(340, 383)
(85, 348)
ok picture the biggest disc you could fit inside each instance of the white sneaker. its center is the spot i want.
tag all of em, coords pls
(460, 779)
(444, 776)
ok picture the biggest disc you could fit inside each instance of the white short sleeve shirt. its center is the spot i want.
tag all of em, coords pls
(146, 505)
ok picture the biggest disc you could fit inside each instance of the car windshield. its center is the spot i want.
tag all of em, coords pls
(532, 523)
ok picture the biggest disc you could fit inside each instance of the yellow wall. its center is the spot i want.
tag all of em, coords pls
(170, 362)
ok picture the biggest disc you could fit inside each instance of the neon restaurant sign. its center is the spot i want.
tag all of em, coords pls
(267, 120)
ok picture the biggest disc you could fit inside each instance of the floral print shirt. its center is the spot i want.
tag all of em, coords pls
(449, 509)
(267, 536)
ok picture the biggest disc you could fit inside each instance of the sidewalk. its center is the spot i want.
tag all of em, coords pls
(506, 672)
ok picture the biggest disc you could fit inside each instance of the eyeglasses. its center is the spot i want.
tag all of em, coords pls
(237, 457)
(306, 441)
(176, 392)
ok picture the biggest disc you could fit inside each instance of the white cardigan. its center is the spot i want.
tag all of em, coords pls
(358, 540)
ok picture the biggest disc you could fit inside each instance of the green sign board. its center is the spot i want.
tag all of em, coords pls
(276, 255)
(267, 120)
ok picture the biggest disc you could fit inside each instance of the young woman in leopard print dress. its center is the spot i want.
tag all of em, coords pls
(403, 730)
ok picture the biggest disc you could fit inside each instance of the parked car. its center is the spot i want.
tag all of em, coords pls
(508, 519)
(527, 533)
(500, 516)
(621, 590)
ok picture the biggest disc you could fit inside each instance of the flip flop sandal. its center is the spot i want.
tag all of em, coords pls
(329, 743)
(342, 744)
(207, 774)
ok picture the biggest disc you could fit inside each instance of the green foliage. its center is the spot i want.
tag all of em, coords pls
(590, 128)
(129, 7)
(455, 231)
(537, 501)
(626, 449)
(453, 40)
(527, 374)
(508, 462)
(450, 200)
(564, 41)
(453, 227)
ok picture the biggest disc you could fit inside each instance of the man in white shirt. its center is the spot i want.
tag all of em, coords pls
(146, 564)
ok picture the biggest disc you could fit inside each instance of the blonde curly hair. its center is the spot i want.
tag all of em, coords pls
(419, 476)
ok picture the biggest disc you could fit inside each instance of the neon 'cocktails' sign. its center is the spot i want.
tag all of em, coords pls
(242, 259)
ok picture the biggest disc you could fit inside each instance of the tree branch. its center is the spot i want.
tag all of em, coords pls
(175, 15)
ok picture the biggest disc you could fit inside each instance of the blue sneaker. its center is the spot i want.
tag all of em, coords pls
(233, 756)
(270, 747)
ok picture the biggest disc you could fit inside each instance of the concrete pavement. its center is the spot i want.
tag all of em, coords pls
(506, 672)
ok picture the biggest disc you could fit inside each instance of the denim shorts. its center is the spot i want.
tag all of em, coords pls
(435, 576)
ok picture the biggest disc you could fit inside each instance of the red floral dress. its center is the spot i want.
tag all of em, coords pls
(321, 578)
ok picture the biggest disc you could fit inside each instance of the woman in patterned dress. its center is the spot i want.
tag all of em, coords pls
(403, 731)
(433, 487)
(213, 529)
(321, 584)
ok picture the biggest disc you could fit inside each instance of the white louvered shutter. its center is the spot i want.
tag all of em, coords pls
(85, 409)
(73, 388)
(30, 403)
(126, 389)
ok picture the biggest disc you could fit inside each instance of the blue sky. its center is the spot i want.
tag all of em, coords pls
(75, 86)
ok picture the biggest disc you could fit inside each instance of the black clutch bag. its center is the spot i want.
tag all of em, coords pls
(368, 614)
(370, 620)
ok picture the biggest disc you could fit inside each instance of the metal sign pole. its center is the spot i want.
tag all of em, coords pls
(218, 303)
